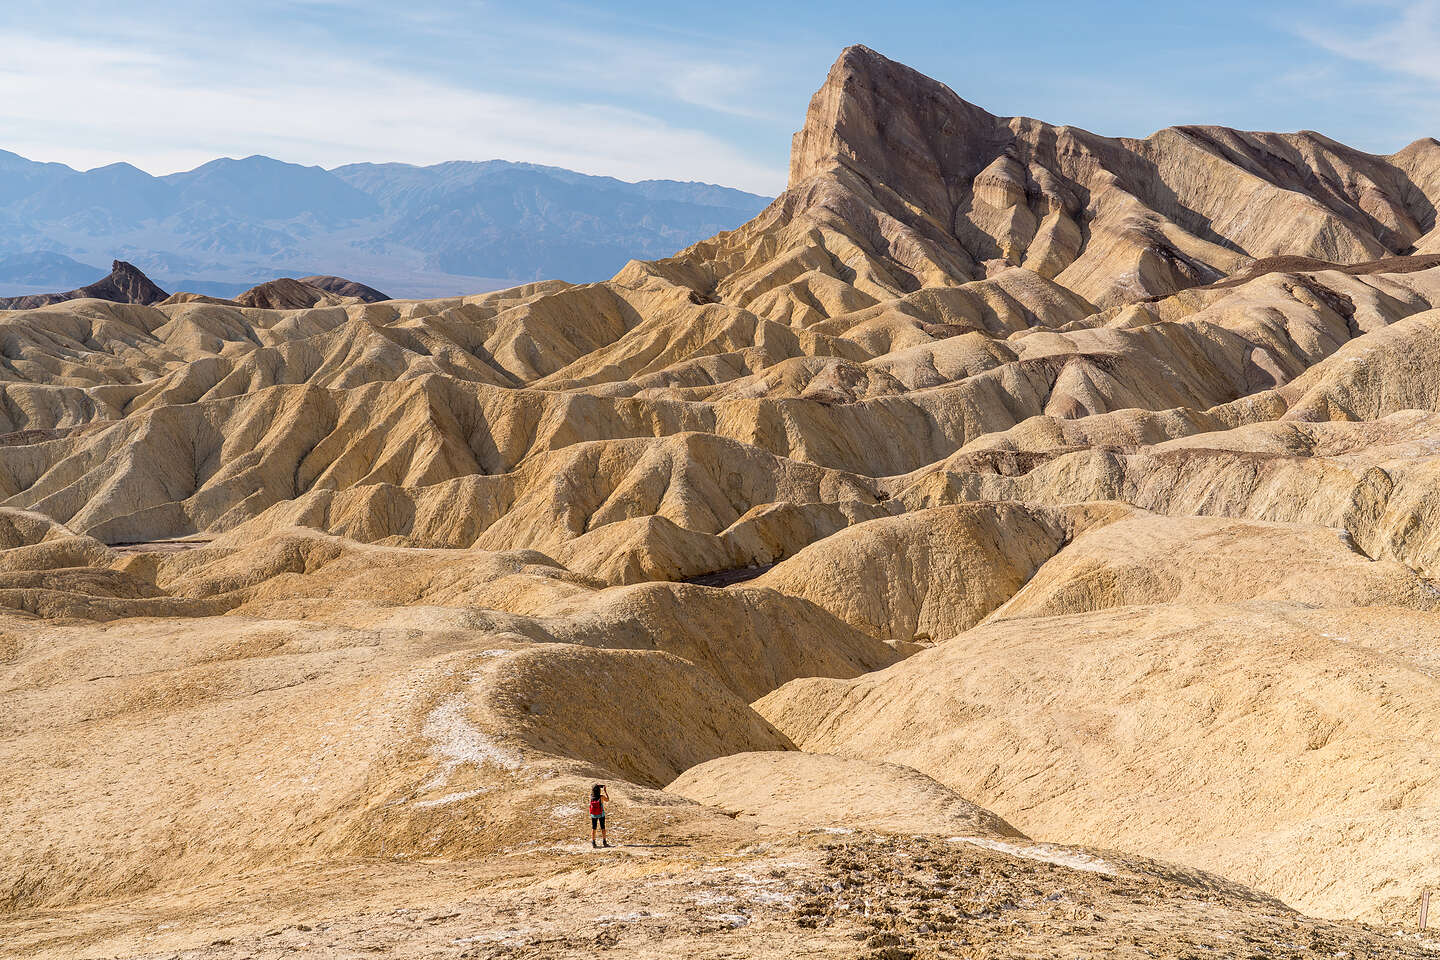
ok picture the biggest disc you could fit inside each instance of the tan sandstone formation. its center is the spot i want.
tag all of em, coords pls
(1031, 479)
(794, 789)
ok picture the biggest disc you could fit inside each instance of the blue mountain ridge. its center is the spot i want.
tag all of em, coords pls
(412, 230)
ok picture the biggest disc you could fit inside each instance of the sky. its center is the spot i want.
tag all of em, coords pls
(676, 90)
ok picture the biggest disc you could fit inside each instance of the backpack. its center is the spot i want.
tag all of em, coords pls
(596, 808)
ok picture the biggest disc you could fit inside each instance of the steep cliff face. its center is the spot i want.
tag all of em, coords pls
(1114, 220)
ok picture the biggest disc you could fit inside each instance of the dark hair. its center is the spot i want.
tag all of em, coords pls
(595, 791)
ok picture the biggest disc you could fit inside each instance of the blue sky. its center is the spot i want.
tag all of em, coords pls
(687, 91)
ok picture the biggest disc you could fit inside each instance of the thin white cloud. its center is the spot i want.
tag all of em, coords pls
(88, 104)
(714, 85)
(1405, 39)
(1379, 109)
(725, 81)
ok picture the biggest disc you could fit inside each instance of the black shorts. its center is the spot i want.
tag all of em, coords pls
(597, 823)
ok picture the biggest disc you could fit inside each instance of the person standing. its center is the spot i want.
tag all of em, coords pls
(598, 798)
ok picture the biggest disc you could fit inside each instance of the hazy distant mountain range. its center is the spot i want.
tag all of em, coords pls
(414, 231)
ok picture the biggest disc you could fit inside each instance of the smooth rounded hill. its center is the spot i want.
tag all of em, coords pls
(345, 288)
(289, 294)
(793, 789)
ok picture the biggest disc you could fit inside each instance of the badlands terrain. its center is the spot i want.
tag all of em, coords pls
(1013, 542)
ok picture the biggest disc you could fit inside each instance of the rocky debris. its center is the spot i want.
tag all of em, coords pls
(815, 895)
(915, 897)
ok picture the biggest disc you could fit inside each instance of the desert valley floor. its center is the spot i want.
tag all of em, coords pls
(1013, 542)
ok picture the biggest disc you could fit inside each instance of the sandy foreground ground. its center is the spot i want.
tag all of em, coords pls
(821, 893)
